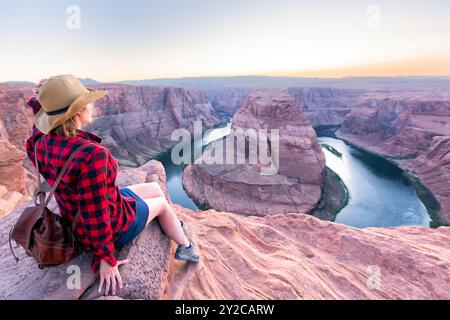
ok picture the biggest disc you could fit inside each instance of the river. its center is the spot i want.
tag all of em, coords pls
(379, 194)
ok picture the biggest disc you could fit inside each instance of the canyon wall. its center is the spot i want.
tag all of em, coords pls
(280, 256)
(297, 256)
(16, 181)
(296, 184)
(146, 276)
(412, 133)
(325, 106)
(135, 124)
(227, 101)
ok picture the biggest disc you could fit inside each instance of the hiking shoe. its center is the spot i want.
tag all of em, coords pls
(186, 253)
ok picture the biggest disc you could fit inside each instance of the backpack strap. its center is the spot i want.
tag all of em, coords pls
(40, 192)
(63, 171)
(43, 200)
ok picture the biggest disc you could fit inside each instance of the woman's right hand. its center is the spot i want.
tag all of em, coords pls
(110, 276)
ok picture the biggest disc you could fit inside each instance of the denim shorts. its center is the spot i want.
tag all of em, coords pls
(136, 227)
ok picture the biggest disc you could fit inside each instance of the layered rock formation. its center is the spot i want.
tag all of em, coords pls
(227, 100)
(282, 256)
(137, 122)
(325, 106)
(296, 256)
(413, 134)
(145, 275)
(16, 184)
(296, 184)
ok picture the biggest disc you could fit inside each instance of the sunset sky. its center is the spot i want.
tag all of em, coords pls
(125, 40)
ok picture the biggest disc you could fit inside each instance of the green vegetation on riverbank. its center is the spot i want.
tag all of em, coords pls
(332, 150)
(428, 199)
(335, 196)
(423, 193)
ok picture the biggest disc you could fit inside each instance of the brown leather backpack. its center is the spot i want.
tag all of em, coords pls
(46, 236)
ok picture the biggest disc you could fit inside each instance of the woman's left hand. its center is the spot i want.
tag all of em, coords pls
(110, 276)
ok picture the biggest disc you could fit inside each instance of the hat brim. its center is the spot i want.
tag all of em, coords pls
(46, 123)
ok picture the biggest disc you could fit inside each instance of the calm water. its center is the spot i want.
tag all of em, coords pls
(379, 194)
(174, 173)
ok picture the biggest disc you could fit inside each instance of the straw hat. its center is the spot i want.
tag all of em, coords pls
(61, 98)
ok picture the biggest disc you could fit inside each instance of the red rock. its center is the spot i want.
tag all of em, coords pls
(135, 123)
(242, 188)
(15, 121)
(413, 134)
(325, 106)
(292, 256)
(145, 276)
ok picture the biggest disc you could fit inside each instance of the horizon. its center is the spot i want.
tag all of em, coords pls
(132, 41)
(124, 81)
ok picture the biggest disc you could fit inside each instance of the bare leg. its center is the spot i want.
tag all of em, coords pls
(147, 190)
(159, 207)
(152, 194)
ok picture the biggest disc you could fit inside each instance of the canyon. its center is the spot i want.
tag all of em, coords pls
(280, 256)
(412, 133)
(135, 124)
(243, 188)
(258, 239)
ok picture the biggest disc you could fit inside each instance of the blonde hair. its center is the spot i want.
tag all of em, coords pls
(68, 129)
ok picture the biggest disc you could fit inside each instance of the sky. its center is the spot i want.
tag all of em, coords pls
(136, 39)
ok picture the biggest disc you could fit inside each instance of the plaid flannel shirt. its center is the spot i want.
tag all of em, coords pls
(88, 187)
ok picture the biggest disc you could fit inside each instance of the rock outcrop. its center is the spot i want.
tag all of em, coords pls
(325, 106)
(137, 122)
(227, 101)
(281, 256)
(15, 123)
(145, 275)
(242, 188)
(411, 133)
(296, 256)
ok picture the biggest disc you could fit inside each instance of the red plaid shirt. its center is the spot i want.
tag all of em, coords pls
(88, 187)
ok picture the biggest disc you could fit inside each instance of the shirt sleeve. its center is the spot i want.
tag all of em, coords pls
(94, 208)
(34, 104)
(36, 134)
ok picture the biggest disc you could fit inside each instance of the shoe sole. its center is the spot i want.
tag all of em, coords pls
(186, 258)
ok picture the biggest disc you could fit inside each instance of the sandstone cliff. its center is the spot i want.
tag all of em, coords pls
(325, 106)
(145, 276)
(242, 188)
(270, 256)
(282, 256)
(135, 123)
(296, 256)
(15, 123)
(413, 134)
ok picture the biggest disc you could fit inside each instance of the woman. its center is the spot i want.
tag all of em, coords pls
(109, 218)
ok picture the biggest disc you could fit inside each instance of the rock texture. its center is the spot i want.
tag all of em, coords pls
(292, 256)
(296, 186)
(325, 106)
(411, 133)
(227, 100)
(137, 122)
(145, 275)
(281, 256)
(15, 121)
